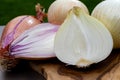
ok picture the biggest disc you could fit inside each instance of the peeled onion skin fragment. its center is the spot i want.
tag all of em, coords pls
(40, 12)
(82, 40)
(35, 43)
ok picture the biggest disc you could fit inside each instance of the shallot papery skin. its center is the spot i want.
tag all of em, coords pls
(35, 43)
(15, 27)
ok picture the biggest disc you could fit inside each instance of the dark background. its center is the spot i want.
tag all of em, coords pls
(13, 8)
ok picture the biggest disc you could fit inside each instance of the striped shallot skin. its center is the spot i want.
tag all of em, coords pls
(15, 27)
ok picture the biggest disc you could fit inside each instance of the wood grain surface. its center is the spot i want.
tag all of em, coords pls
(53, 69)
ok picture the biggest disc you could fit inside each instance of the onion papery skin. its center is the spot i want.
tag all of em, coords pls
(15, 27)
(108, 12)
(59, 9)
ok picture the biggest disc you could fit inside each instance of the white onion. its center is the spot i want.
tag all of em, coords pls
(108, 12)
(82, 40)
(59, 9)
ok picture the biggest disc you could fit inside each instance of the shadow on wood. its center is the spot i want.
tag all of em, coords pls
(53, 69)
(23, 72)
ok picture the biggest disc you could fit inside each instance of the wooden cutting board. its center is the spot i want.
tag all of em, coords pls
(53, 69)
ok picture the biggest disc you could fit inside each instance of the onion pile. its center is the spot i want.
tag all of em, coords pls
(71, 35)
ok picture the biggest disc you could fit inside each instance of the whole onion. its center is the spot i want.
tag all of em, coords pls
(13, 30)
(15, 27)
(59, 9)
